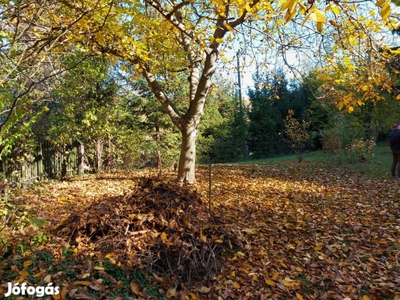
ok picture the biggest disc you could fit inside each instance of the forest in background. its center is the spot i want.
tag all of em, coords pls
(122, 127)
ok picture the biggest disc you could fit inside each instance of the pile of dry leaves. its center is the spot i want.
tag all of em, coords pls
(159, 226)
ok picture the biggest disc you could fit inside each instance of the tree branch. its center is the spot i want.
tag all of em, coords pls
(242, 18)
(30, 87)
(158, 92)
(167, 15)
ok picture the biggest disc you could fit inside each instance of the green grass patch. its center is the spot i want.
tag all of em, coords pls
(377, 166)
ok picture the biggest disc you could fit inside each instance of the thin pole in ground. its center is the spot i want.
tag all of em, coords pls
(210, 187)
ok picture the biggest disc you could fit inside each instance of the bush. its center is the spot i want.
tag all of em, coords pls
(360, 148)
(331, 142)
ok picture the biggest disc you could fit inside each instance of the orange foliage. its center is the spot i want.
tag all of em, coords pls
(290, 231)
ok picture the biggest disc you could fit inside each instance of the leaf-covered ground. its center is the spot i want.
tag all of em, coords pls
(287, 231)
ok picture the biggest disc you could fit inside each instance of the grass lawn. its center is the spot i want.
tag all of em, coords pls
(377, 166)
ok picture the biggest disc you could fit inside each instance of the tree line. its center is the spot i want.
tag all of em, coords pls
(120, 125)
(163, 43)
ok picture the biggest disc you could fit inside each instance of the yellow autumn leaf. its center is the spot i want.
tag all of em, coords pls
(80, 282)
(275, 276)
(270, 282)
(98, 268)
(290, 283)
(290, 15)
(283, 264)
(365, 297)
(385, 11)
(236, 285)
(334, 23)
(240, 254)
(185, 220)
(135, 288)
(350, 109)
(219, 40)
(335, 9)
(303, 9)
(154, 234)
(229, 27)
(47, 279)
(23, 273)
(27, 263)
(320, 26)
(300, 297)
(192, 296)
(379, 3)
(290, 5)
(63, 293)
(163, 237)
(318, 16)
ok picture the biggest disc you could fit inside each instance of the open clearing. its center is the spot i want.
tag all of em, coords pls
(277, 231)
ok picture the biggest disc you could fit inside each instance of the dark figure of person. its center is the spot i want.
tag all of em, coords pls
(394, 143)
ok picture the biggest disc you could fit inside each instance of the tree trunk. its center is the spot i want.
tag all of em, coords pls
(187, 159)
(199, 88)
(99, 155)
(40, 162)
(81, 159)
(109, 154)
(159, 159)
